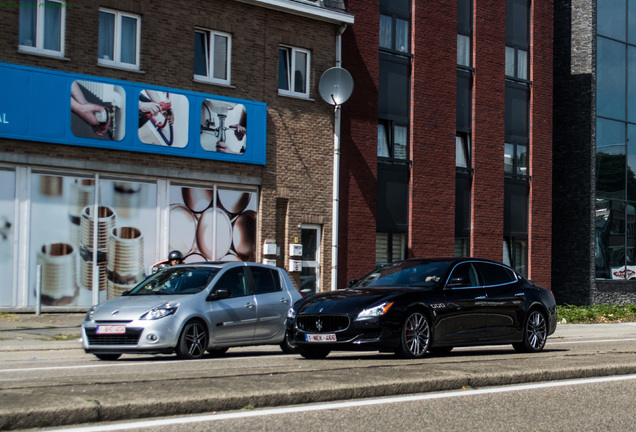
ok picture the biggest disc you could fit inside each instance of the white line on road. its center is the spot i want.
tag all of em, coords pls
(341, 405)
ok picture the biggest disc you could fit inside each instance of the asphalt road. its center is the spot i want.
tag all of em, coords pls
(47, 382)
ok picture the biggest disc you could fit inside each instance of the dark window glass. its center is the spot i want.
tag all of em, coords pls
(517, 100)
(464, 17)
(464, 276)
(516, 207)
(462, 205)
(610, 159)
(234, 280)
(610, 91)
(464, 93)
(610, 18)
(517, 14)
(494, 274)
(265, 280)
(393, 198)
(393, 92)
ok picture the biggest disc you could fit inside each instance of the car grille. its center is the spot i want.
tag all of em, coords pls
(131, 337)
(322, 323)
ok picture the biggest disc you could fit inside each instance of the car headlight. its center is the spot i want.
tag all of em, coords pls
(376, 310)
(162, 311)
(291, 313)
(89, 314)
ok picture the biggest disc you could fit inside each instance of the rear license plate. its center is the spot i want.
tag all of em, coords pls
(111, 329)
(328, 337)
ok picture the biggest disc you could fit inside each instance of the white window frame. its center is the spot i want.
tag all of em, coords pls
(210, 55)
(291, 81)
(38, 47)
(116, 60)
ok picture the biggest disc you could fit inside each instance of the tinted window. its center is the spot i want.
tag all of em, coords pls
(405, 273)
(464, 275)
(265, 280)
(494, 274)
(234, 280)
(179, 280)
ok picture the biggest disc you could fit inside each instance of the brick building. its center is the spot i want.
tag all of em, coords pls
(447, 139)
(128, 129)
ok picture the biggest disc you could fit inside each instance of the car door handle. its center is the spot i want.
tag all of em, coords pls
(249, 306)
(284, 300)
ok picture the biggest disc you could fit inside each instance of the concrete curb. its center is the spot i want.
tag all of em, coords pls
(107, 410)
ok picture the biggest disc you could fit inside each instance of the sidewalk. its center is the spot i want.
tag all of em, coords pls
(45, 331)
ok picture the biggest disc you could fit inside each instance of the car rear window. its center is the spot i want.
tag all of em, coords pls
(495, 274)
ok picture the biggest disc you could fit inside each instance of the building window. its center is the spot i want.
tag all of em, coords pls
(212, 53)
(462, 151)
(464, 32)
(517, 129)
(516, 254)
(118, 39)
(394, 33)
(392, 140)
(389, 247)
(293, 71)
(517, 38)
(42, 27)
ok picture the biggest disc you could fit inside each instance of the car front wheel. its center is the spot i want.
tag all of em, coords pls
(287, 346)
(193, 341)
(535, 333)
(415, 336)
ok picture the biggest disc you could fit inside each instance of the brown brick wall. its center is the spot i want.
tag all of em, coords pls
(299, 167)
(540, 262)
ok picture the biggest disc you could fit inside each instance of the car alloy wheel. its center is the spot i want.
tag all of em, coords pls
(415, 336)
(535, 333)
(193, 341)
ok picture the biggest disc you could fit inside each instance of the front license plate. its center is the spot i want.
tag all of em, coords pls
(328, 337)
(111, 329)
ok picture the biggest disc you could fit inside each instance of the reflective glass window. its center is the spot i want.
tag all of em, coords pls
(610, 91)
(610, 18)
(610, 158)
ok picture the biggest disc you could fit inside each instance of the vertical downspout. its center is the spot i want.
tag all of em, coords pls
(336, 172)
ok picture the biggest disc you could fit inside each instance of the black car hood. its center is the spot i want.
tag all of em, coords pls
(349, 300)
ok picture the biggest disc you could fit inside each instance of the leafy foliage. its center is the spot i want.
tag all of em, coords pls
(599, 313)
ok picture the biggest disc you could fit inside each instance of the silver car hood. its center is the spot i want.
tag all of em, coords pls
(130, 308)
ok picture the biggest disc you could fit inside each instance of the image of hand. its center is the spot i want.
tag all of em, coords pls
(94, 115)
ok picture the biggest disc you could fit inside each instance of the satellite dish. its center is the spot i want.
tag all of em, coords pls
(336, 85)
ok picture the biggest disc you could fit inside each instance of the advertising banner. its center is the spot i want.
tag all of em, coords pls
(63, 108)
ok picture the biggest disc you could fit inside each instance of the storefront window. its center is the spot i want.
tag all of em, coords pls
(213, 224)
(7, 230)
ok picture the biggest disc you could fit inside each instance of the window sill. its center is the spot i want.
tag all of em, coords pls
(120, 66)
(296, 96)
(204, 80)
(42, 53)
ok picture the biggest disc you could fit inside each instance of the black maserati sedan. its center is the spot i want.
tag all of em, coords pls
(416, 306)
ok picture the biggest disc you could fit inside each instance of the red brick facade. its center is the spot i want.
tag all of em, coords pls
(433, 130)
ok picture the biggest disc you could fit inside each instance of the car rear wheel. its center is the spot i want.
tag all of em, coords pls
(415, 336)
(108, 356)
(193, 341)
(535, 333)
(313, 353)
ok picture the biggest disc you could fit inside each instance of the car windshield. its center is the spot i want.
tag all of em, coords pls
(405, 273)
(176, 281)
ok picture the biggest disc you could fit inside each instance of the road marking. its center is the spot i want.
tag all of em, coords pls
(341, 405)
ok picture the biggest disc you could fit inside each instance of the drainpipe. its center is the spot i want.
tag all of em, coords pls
(336, 172)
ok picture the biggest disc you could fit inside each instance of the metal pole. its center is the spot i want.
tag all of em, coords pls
(38, 289)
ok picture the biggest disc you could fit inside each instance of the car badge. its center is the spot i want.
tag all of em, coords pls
(115, 313)
(319, 324)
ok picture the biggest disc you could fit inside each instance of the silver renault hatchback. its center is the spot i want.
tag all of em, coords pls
(189, 309)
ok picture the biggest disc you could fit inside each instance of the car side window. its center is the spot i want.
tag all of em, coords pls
(265, 280)
(495, 274)
(234, 281)
(464, 276)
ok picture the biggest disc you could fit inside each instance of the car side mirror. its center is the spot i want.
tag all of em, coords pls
(220, 294)
(352, 282)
